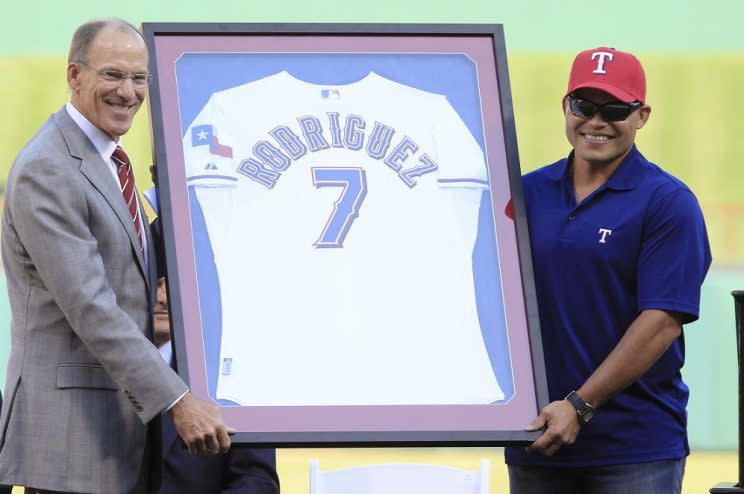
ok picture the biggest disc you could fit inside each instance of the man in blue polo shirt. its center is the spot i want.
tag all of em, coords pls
(619, 251)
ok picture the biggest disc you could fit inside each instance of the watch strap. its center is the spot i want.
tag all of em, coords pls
(583, 409)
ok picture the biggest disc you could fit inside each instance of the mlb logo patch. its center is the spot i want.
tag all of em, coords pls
(330, 94)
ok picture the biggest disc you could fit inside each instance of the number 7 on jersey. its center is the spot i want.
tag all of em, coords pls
(346, 208)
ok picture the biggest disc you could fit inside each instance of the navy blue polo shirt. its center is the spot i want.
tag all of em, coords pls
(638, 242)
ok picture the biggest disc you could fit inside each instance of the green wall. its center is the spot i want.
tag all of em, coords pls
(45, 26)
(711, 366)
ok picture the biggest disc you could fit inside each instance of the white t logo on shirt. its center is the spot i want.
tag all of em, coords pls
(604, 232)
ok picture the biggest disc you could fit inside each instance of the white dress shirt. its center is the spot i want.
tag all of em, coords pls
(105, 147)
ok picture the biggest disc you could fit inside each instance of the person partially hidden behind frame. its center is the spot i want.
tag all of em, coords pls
(241, 470)
(620, 251)
(85, 386)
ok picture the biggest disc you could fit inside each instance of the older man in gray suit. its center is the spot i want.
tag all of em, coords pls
(83, 380)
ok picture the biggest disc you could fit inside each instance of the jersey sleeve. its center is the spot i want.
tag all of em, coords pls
(459, 157)
(675, 256)
(208, 148)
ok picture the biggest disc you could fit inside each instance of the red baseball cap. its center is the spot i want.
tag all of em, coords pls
(615, 72)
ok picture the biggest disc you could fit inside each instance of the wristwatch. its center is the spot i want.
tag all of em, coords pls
(583, 409)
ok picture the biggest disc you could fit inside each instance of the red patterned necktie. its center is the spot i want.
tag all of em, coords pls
(126, 181)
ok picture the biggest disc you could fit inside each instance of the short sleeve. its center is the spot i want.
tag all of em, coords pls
(675, 256)
(459, 157)
(208, 148)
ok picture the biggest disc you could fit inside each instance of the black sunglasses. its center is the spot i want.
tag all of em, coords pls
(610, 112)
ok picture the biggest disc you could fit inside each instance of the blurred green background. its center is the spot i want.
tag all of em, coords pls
(693, 53)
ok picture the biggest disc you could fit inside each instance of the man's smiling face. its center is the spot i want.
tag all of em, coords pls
(110, 105)
(597, 142)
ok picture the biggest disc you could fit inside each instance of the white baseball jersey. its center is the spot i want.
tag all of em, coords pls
(342, 219)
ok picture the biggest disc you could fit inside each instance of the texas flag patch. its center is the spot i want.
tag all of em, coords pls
(204, 135)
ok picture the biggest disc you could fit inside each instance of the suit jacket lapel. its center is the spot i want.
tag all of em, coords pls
(97, 173)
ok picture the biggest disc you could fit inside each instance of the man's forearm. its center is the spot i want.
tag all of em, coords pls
(645, 340)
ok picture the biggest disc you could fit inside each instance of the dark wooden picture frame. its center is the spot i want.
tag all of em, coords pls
(210, 81)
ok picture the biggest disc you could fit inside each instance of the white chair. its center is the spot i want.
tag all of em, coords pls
(399, 478)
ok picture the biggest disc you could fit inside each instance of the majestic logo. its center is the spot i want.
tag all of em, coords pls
(605, 233)
(602, 56)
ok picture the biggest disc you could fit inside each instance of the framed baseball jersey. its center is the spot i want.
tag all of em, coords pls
(344, 233)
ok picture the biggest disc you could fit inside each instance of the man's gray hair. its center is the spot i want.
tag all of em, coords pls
(86, 33)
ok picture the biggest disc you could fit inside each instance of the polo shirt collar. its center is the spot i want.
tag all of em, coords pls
(626, 177)
(559, 170)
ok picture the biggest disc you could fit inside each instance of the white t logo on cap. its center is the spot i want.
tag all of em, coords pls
(602, 55)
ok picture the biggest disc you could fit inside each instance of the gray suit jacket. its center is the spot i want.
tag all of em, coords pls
(83, 379)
